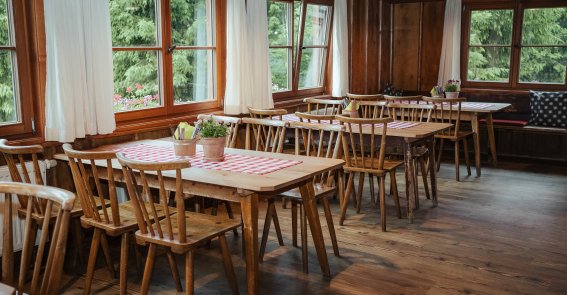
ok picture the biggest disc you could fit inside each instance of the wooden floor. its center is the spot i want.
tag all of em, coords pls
(502, 233)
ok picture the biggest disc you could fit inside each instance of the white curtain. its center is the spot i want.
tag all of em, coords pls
(248, 74)
(340, 49)
(450, 64)
(79, 86)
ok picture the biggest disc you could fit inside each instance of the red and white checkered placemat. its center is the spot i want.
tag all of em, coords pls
(475, 105)
(232, 162)
(392, 125)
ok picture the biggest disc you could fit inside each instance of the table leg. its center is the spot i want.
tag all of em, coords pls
(310, 206)
(432, 171)
(476, 138)
(491, 139)
(410, 179)
(249, 204)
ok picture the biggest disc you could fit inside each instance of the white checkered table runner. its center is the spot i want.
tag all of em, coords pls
(232, 162)
(392, 125)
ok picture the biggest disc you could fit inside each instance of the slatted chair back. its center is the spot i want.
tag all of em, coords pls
(265, 135)
(275, 114)
(364, 97)
(85, 174)
(448, 110)
(318, 140)
(233, 124)
(312, 118)
(411, 112)
(16, 157)
(372, 109)
(140, 175)
(359, 155)
(404, 98)
(50, 252)
(320, 106)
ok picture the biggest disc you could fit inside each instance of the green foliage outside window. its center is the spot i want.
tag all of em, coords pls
(7, 97)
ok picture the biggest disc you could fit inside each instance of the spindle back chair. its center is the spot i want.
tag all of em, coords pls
(273, 114)
(264, 134)
(372, 109)
(233, 124)
(319, 106)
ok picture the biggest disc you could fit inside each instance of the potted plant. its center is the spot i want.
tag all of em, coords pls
(452, 89)
(184, 141)
(213, 137)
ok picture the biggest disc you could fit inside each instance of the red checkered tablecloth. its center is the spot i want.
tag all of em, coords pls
(392, 125)
(232, 162)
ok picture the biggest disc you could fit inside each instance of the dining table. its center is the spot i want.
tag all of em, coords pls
(243, 177)
(407, 136)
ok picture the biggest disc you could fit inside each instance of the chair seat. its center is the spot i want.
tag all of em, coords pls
(75, 212)
(460, 135)
(389, 165)
(321, 191)
(199, 228)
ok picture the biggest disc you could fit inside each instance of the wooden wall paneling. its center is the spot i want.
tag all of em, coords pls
(357, 36)
(431, 42)
(406, 36)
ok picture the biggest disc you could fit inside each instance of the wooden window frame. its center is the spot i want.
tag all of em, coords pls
(513, 83)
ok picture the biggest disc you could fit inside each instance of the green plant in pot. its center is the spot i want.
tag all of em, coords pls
(452, 89)
(212, 135)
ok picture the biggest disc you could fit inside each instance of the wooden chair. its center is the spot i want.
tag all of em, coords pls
(415, 113)
(449, 111)
(267, 114)
(404, 98)
(312, 118)
(112, 218)
(180, 233)
(364, 97)
(53, 240)
(367, 158)
(267, 136)
(233, 124)
(371, 109)
(323, 141)
(320, 106)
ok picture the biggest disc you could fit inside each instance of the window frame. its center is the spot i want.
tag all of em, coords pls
(515, 46)
(26, 126)
(168, 112)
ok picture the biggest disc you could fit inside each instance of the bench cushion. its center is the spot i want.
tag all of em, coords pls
(549, 109)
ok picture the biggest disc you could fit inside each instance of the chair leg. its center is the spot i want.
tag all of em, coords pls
(423, 166)
(294, 223)
(304, 255)
(276, 221)
(78, 241)
(359, 192)
(439, 156)
(230, 215)
(148, 269)
(107, 255)
(92, 260)
(370, 179)
(396, 196)
(344, 205)
(267, 222)
(174, 271)
(415, 176)
(227, 261)
(138, 254)
(284, 203)
(124, 245)
(189, 275)
(383, 202)
(457, 163)
(330, 225)
(466, 150)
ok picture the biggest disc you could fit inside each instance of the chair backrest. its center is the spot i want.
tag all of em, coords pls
(53, 239)
(264, 135)
(360, 154)
(364, 97)
(448, 110)
(320, 106)
(404, 99)
(372, 109)
(143, 174)
(267, 114)
(233, 124)
(318, 140)
(85, 172)
(312, 118)
(411, 112)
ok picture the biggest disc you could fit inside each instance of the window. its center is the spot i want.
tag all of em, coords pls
(164, 57)
(16, 111)
(521, 47)
(299, 33)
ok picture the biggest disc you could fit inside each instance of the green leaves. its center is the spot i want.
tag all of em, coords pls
(212, 128)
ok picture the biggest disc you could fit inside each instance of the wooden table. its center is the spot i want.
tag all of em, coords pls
(246, 189)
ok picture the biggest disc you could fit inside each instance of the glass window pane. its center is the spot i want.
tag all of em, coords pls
(543, 65)
(316, 25)
(4, 26)
(296, 19)
(279, 22)
(133, 23)
(192, 22)
(193, 78)
(8, 97)
(280, 66)
(311, 72)
(489, 64)
(491, 27)
(136, 80)
(545, 26)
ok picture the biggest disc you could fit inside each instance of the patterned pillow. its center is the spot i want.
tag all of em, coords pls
(549, 109)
